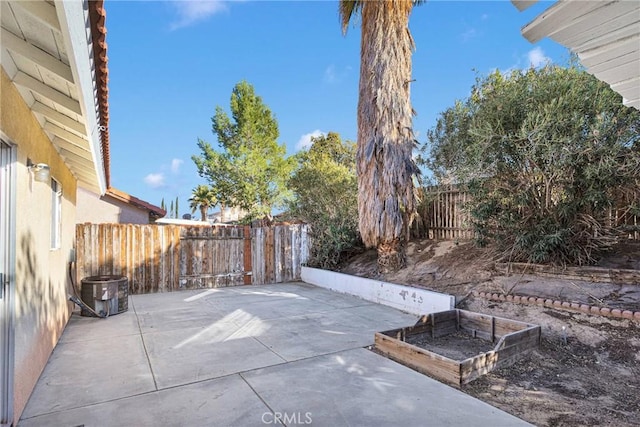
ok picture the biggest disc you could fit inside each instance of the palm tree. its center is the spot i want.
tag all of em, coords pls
(386, 202)
(202, 198)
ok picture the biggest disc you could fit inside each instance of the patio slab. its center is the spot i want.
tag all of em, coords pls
(315, 334)
(87, 372)
(188, 316)
(113, 326)
(361, 388)
(326, 296)
(229, 356)
(189, 355)
(270, 308)
(226, 401)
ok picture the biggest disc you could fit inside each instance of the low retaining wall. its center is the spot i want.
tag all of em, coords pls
(589, 274)
(561, 305)
(405, 298)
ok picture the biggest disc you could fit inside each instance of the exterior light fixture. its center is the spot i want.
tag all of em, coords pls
(40, 171)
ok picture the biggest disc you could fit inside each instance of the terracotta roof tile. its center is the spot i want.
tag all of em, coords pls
(97, 18)
(127, 198)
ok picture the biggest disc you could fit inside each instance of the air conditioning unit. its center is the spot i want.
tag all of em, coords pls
(106, 295)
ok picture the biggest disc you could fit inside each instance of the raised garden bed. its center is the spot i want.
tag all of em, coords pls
(458, 346)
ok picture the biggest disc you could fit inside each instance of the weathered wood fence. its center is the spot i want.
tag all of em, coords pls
(445, 216)
(160, 258)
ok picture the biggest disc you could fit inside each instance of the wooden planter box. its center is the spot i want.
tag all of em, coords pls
(512, 339)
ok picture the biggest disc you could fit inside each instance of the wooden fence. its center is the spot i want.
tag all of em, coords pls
(628, 223)
(160, 258)
(445, 216)
(278, 253)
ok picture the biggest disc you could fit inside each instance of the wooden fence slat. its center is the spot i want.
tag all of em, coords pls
(277, 254)
(246, 254)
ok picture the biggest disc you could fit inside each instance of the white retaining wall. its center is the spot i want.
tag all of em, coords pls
(405, 298)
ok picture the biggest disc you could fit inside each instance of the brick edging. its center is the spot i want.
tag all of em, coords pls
(561, 305)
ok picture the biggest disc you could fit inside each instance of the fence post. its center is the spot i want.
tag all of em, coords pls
(247, 255)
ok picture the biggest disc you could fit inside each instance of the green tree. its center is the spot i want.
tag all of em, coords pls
(385, 167)
(251, 169)
(218, 169)
(202, 199)
(545, 153)
(325, 193)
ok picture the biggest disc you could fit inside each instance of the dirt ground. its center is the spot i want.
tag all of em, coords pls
(587, 369)
(458, 346)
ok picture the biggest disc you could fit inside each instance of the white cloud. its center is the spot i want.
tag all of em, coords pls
(175, 165)
(333, 74)
(330, 74)
(305, 140)
(468, 35)
(534, 58)
(155, 180)
(193, 11)
(537, 58)
(505, 71)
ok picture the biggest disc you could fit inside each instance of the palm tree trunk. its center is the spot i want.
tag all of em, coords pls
(203, 212)
(385, 136)
(222, 215)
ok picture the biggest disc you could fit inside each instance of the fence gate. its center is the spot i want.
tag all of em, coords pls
(445, 214)
(212, 257)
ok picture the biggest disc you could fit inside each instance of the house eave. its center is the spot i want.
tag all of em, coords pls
(76, 30)
(604, 34)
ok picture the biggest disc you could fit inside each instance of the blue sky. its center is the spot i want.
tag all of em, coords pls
(172, 62)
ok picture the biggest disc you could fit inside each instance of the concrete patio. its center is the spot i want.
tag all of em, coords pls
(243, 356)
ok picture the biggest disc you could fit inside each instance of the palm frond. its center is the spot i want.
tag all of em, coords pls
(347, 9)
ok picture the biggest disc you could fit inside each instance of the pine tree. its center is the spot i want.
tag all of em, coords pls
(250, 170)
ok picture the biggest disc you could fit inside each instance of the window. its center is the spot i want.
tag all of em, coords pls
(56, 213)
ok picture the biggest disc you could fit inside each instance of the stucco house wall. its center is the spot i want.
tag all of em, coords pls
(97, 210)
(41, 306)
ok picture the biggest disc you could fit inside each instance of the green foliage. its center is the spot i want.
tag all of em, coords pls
(202, 198)
(250, 170)
(545, 153)
(326, 197)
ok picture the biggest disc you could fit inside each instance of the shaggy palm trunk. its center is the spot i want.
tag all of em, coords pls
(203, 212)
(385, 135)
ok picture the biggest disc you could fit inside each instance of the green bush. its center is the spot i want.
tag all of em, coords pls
(545, 154)
(325, 190)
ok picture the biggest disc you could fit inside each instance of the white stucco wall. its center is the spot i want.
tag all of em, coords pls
(41, 280)
(406, 298)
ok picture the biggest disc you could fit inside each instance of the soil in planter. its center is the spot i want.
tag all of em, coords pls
(457, 346)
